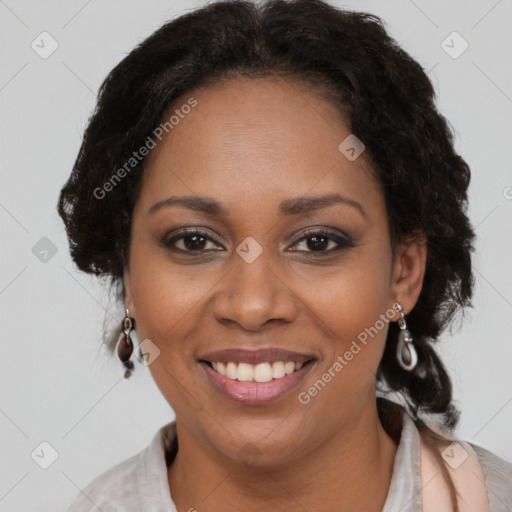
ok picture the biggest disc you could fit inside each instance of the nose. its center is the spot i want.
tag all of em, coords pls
(254, 294)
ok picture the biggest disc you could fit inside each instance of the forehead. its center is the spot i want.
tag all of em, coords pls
(247, 137)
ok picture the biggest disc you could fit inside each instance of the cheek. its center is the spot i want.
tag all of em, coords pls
(356, 318)
(353, 305)
(166, 298)
(357, 292)
(168, 307)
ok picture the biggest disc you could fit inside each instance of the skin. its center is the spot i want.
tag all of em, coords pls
(250, 144)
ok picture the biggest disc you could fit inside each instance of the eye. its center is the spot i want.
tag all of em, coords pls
(318, 241)
(191, 241)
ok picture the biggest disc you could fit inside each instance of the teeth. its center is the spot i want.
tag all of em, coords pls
(278, 370)
(232, 370)
(289, 368)
(262, 372)
(245, 372)
(221, 368)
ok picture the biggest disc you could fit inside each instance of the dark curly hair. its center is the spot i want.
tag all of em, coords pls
(388, 101)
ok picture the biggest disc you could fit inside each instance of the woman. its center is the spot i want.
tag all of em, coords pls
(281, 205)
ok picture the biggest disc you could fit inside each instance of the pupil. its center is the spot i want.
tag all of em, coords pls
(193, 245)
(316, 244)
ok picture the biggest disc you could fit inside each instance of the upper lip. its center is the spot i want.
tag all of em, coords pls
(263, 355)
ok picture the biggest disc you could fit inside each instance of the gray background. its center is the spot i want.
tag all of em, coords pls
(56, 383)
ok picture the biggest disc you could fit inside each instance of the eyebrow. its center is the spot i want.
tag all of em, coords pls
(295, 206)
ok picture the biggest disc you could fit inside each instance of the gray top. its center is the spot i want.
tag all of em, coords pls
(140, 482)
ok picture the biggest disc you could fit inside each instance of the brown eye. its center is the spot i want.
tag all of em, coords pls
(323, 242)
(195, 242)
(192, 241)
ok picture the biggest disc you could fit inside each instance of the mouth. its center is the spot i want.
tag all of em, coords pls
(256, 377)
(261, 372)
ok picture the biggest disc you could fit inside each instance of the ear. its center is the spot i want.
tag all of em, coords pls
(408, 271)
(127, 292)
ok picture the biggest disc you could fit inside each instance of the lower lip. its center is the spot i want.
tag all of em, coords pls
(253, 393)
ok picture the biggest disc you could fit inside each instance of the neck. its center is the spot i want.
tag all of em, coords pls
(350, 471)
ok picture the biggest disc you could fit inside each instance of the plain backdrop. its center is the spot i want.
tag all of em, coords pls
(57, 385)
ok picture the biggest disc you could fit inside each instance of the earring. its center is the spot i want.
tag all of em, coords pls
(405, 351)
(125, 348)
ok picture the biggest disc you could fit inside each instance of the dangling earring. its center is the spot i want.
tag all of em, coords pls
(405, 351)
(125, 348)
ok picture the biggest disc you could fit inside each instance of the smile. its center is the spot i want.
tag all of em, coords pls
(262, 372)
(256, 384)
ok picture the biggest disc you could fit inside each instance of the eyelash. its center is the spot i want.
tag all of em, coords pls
(343, 242)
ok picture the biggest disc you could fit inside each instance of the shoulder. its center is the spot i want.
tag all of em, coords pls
(483, 471)
(109, 490)
(498, 476)
(137, 483)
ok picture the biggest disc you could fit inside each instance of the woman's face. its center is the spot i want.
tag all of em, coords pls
(263, 150)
